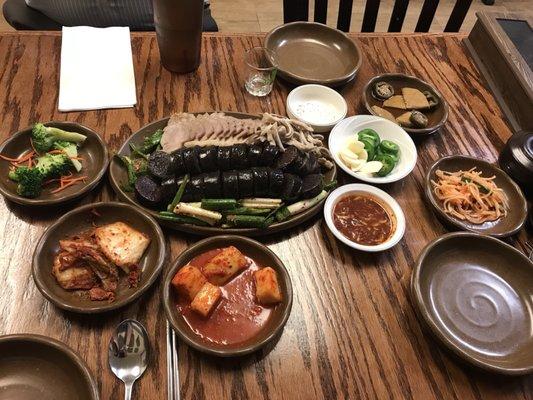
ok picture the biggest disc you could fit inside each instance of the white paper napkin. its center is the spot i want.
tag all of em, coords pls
(96, 69)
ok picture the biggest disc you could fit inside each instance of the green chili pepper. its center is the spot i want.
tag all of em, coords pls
(369, 134)
(389, 147)
(369, 147)
(388, 165)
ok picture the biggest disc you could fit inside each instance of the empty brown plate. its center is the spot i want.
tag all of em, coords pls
(475, 294)
(436, 117)
(502, 227)
(309, 52)
(118, 177)
(265, 258)
(95, 160)
(80, 220)
(38, 367)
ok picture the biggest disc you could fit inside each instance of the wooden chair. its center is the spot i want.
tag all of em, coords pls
(298, 10)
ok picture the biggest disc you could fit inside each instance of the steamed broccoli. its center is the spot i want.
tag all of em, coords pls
(30, 181)
(53, 165)
(71, 150)
(44, 137)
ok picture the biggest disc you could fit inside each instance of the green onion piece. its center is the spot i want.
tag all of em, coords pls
(179, 194)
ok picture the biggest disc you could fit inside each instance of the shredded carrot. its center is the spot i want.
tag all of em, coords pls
(76, 158)
(65, 182)
(20, 159)
(55, 152)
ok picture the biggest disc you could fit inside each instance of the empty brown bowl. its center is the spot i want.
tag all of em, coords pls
(80, 220)
(502, 227)
(38, 367)
(264, 257)
(309, 52)
(436, 116)
(475, 294)
(93, 152)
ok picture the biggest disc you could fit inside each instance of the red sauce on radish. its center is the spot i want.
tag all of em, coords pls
(237, 317)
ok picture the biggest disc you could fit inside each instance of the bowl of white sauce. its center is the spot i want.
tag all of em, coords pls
(318, 106)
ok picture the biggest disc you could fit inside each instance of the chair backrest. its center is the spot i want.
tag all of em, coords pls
(298, 10)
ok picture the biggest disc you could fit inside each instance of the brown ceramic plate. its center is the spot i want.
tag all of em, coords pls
(95, 160)
(475, 294)
(309, 52)
(505, 226)
(82, 219)
(38, 367)
(264, 257)
(118, 176)
(436, 117)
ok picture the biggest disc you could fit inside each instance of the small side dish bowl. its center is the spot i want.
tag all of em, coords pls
(436, 117)
(310, 52)
(386, 130)
(475, 294)
(316, 105)
(35, 366)
(264, 257)
(502, 227)
(390, 205)
(95, 161)
(81, 219)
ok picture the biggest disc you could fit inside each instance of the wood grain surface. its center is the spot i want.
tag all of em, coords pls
(353, 332)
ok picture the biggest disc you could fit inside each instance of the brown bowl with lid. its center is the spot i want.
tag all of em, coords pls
(271, 327)
(436, 116)
(95, 159)
(39, 367)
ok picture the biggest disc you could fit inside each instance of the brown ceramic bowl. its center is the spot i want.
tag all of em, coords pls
(505, 226)
(82, 219)
(95, 160)
(436, 117)
(38, 367)
(475, 294)
(118, 177)
(309, 52)
(264, 257)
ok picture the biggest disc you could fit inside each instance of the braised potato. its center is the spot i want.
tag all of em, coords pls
(267, 289)
(206, 299)
(221, 268)
(188, 281)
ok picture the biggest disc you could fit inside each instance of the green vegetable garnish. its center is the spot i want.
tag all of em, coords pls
(388, 164)
(369, 134)
(44, 137)
(389, 147)
(151, 142)
(179, 193)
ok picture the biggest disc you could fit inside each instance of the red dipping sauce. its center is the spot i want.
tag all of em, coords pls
(237, 317)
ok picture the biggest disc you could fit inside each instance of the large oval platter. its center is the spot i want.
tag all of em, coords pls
(118, 176)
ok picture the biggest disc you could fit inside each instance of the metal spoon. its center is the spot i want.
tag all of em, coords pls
(128, 353)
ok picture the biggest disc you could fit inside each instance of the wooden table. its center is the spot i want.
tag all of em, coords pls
(352, 332)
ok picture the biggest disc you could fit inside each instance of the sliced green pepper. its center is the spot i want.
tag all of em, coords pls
(389, 147)
(369, 134)
(388, 164)
(370, 148)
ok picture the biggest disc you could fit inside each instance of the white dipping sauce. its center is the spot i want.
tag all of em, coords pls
(317, 112)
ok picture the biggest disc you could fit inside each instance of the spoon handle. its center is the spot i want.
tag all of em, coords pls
(127, 390)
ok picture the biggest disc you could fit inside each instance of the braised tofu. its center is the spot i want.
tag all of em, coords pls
(381, 112)
(267, 288)
(206, 299)
(414, 99)
(221, 268)
(188, 281)
(405, 119)
(121, 244)
(396, 101)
